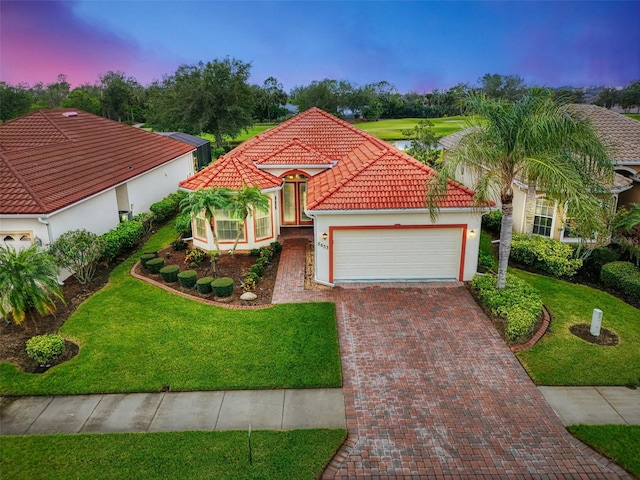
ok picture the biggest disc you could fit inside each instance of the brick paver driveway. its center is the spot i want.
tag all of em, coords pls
(432, 391)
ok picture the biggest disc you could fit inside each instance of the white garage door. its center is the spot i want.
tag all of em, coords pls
(397, 254)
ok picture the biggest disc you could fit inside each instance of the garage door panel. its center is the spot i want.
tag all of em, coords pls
(396, 254)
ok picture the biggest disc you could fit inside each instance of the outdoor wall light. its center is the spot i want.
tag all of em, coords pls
(324, 236)
(471, 233)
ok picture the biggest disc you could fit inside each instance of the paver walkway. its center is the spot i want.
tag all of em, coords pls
(431, 391)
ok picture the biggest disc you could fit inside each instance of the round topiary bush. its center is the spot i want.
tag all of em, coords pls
(222, 287)
(188, 278)
(170, 273)
(45, 348)
(203, 285)
(257, 268)
(145, 257)
(155, 264)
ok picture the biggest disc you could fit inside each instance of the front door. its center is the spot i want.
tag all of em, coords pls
(294, 199)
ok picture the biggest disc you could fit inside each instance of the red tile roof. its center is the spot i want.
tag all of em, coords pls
(50, 159)
(368, 174)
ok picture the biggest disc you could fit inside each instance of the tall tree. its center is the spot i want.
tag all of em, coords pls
(86, 98)
(243, 202)
(118, 96)
(534, 140)
(15, 101)
(270, 99)
(207, 201)
(507, 87)
(608, 97)
(212, 97)
(53, 94)
(322, 94)
(28, 279)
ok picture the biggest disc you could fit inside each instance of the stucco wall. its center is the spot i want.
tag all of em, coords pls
(324, 221)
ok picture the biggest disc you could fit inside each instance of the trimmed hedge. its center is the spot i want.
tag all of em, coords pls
(203, 285)
(170, 273)
(183, 225)
(188, 278)
(622, 276)
(519, 304)
(546, 254)
(155, 264)
(144, 258)
(45, 348)
(222, 287)
(168, 206)
(492, 222)
(121, 239)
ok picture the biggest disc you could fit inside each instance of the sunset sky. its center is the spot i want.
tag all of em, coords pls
(417, 46)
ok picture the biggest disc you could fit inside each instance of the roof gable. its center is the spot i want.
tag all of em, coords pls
(50, 159)
(295, 153)
(231, 172)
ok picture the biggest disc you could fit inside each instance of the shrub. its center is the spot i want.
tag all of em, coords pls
(545, 254)
(277, 246)
(119, 240)
(492, 222)
(262, 261)
(155, 264)
(519, 304)
(622, 276)
(179, 245)
(486, 261)
(78, 251)
(195, 257)
(257, 269)
(267, 252)
(146, 219)
(250, 282)
(203, 285)
(592, 265)
(183, 225)
(168, 206)
(45, 348)
(144, 258)
(170, 273)
(188, 278)
(254, 252)
(222, 287)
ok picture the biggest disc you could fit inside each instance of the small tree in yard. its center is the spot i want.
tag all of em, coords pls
(28, 279)
(245, 201)
(539, 142)
(424, 143)
(207, 200)
(78, 251)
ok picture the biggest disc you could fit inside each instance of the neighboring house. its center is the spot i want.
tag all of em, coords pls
(533, 213)
(364, 199)
(63, 170)
(202, 154)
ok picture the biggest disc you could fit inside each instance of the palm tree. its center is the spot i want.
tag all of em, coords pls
(28, 279)
(245, 201)
(207, 200)
(626, 231)
(536, 141)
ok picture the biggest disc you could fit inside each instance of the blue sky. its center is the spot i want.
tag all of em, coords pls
(417, 46)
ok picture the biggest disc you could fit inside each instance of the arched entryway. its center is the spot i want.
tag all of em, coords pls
(293, 199)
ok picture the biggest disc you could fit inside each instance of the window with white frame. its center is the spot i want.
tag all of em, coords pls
(543, 217)
(263, 224)
(201, 226)
(227, 227)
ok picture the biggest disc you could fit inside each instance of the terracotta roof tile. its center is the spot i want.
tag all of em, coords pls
(232, 172)
(49, 161)
(295, 153)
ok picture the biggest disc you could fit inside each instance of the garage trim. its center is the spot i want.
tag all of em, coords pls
(462, 226)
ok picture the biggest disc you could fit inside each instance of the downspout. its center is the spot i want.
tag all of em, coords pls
(46, 222)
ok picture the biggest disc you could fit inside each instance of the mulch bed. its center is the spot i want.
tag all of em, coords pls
(606, 338)
(13, 338)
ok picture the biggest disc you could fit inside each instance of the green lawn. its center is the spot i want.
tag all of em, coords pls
(635, 116)
(618, 442)
(298, 454)
(392, 129)
(560, 358)
(135, 337)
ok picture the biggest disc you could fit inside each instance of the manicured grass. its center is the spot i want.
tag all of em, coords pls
(298, 454)
(135, 337)
(618, 442)
(392, 129)
(560, 358)
(635, 116)
(244, 135)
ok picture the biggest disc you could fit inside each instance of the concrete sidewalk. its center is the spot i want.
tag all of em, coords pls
(594, 405)
(173, 411)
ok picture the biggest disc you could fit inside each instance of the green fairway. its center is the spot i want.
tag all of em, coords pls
(392, 129)
(561, 358)
(635, 116)
(298, 454)
(135, 337)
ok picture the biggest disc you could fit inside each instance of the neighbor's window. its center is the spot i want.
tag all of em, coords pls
(263, 224)
(226, 227)
(543, 218)
(201, 226)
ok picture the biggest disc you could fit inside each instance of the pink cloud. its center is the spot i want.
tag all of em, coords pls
(42, 39)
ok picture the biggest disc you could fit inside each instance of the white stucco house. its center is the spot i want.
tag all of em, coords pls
(363, 198)
(533, 213)
(63, 170)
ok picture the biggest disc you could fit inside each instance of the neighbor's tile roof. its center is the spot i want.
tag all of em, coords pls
(50, 159)
(367, 173)
(623, 132)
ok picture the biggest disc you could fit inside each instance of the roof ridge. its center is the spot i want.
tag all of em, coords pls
(24, 184)
(294, 141)
(56, 126)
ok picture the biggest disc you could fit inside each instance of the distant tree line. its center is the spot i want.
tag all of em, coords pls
(216, 97)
